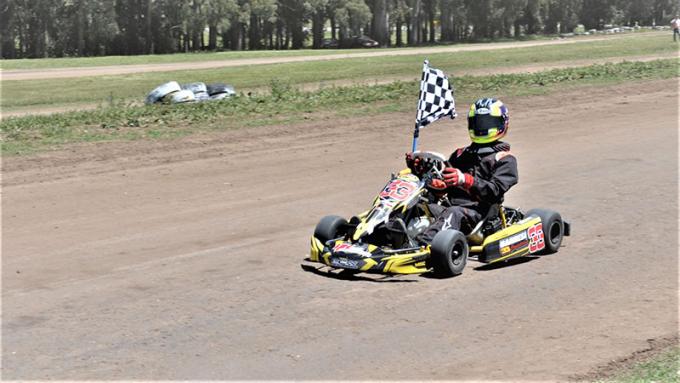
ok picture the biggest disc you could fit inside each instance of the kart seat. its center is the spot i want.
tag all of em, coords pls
(476, 236)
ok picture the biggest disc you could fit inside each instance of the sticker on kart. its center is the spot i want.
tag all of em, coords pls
(344, 263)
(536, 238)
(351, 249)
(398, 190)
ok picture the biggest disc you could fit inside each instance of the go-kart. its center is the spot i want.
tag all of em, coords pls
(383, 239)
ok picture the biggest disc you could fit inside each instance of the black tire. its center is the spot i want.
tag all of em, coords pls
(219, 88)
(553, 229)
(161, 91)
(181, 97)
(196, 87)
(329, 228)
(449, 252)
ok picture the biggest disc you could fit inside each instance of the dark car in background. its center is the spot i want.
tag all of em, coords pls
(330, 44)
(363, 42)
(352, 42)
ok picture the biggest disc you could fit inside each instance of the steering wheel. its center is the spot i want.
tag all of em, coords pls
(431, 164)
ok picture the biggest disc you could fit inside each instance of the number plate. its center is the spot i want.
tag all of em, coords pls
(345, 263)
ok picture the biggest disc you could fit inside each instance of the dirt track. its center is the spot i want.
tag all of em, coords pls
(180, 260)
(37, 74)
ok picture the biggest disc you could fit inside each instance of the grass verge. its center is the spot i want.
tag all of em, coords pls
(34, 94)
(286, 104)
(664, 367)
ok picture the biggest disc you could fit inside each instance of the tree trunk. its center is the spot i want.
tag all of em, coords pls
(333, 28)
(400, 42)
(244, 33)
(446, 22)
(254, 34)
(317, 29)
(196, 40)
(415, 24)
(147, 29)
(279, 34)
(381, 23)
(342, 35)
(409, 31)
(298, 34)
(80, 21)
(270, 36)
(431, 22)
(235, 40)
(212, 37)
(226, 39)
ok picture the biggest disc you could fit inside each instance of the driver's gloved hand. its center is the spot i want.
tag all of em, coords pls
(413, 162)
(437, 185)
(455, 177)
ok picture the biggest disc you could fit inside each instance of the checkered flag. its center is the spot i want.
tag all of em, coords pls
(435, 100)
(436, 96)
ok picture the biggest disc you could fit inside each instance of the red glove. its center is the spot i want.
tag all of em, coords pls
(455, 177)
(412, 162)
(437, 184)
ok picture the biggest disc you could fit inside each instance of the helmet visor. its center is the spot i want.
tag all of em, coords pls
(482, 123)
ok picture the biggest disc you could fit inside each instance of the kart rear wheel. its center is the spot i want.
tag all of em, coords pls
(553, 229)
(449, 253)
(329, 228)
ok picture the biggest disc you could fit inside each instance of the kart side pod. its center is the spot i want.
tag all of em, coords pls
(529, 236)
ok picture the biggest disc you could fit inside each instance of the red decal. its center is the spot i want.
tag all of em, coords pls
(342, 246)
(536, 238)
(398, 190)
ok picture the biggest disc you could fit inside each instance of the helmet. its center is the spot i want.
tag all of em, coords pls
(487, 120)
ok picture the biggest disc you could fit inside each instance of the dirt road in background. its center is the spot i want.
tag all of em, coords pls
(38, 74)
(180, 259)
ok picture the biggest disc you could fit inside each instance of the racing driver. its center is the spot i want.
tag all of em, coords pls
(477, 176)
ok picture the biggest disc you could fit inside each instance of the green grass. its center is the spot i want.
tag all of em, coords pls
(662, 368)
(22, 95)
(69, 62)
(288, 105)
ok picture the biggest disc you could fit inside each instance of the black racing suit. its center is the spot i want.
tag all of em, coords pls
(493, 169)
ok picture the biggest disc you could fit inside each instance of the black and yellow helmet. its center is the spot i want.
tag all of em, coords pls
(487, 120)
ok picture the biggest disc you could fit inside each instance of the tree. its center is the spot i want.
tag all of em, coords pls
(351, 17)
(595, 13)
(399, 13)
(380, 25)
(262, 14)
(294, 14)
(9, 15)
(318, 9)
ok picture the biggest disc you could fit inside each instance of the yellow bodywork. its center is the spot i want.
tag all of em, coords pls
(403, 263)
(505, 233)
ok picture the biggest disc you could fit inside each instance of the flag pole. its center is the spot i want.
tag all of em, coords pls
(416, 133)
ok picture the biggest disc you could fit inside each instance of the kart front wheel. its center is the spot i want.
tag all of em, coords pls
(329, 228)
(553, 228)
(449, 252)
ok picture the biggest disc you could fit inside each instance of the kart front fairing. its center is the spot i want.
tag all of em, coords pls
(400, 194)
(344, 254)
